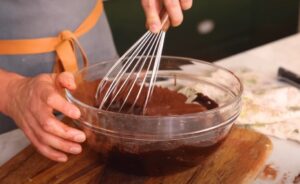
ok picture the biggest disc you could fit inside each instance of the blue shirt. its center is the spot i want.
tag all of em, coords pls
(21, 19)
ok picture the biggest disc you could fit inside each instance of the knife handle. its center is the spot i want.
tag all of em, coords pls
(288, 76)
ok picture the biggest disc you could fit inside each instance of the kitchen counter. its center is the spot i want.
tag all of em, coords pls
(265, 59)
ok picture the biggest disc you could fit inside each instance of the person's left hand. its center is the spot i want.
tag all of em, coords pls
(31, 102)
(174, 8)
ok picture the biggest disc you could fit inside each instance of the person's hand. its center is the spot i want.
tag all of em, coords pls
(174, 8)
(31, 104)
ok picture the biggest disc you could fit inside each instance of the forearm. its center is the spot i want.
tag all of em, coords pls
(6, 79)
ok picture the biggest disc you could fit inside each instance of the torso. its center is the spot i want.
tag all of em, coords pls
(41, 18)
(46, 18)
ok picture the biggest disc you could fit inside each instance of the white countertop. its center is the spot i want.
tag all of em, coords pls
(267, 58)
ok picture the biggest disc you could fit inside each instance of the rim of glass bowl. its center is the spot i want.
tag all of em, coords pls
(236, 99)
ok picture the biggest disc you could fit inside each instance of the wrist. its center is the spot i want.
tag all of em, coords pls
(8, 88)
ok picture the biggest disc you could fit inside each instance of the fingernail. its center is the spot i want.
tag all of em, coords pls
(62, 159)
(79, 137)
(71, 85)
(154, 27)
(75, 113)
(75, 150)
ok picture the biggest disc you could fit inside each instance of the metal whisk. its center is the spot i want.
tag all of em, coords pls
(142, 59)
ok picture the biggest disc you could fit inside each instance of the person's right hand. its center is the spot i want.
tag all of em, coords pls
(31, 103)
(174, 9)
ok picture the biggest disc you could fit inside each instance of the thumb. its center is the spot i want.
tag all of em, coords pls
(66, 80)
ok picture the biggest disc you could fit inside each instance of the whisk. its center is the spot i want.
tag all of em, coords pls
(130, 72)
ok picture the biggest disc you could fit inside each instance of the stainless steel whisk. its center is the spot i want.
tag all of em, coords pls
(134, 66)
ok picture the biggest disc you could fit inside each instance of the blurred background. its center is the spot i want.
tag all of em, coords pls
(212, 29)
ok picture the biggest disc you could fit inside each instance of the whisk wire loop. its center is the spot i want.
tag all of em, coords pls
(123, 70)
(131, 71)
(152, 37)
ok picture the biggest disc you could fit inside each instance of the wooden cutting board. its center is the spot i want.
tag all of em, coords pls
(238, 160)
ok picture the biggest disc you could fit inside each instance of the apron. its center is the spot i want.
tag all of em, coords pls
(39, 36)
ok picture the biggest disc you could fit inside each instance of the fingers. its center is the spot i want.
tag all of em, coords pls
(174, 11)
(173, 8)
(44, 149)
(53, 126)
(58, 143)
(66, 80)
(152, 10)
(186, 4)
(51, 97)
(34, 106)
(56, 101)
(52, 141)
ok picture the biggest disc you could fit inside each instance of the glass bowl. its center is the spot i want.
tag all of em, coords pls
(159, 145)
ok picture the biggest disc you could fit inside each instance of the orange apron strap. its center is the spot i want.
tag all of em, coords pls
(66, 55)
(64, 45)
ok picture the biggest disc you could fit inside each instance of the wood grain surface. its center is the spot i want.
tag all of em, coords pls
(238, 160)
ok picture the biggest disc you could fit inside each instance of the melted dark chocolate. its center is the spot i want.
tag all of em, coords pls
(155, 158)
(162, 102)
(205, 101)
(159, 162)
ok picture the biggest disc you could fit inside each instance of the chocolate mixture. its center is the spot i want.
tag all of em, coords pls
(161, 160)
(162, 102)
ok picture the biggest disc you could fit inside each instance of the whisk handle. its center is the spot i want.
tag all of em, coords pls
(165, 21)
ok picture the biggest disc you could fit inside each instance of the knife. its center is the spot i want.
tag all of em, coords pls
(288, 77)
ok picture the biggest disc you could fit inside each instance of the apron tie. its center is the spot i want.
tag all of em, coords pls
(66, 53)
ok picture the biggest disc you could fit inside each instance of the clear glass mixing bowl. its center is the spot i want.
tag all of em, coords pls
(157, 145)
